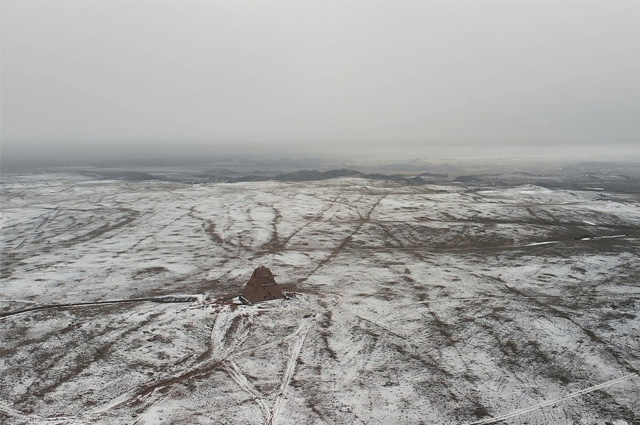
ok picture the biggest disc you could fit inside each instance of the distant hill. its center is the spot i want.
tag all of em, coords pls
(442, 176)
(311, 175)
(467, 179)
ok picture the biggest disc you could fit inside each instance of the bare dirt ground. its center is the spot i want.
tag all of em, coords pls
(436, 304)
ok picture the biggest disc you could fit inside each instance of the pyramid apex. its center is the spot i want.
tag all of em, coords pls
(262, 286)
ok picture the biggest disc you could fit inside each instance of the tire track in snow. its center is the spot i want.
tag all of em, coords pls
(415, 249)
(217, 353)
(268, 345)
(46, 220)
(37, 232)
(9, 411)
(555, 400)
(236, 374)
(317, 217)
(338, 249)
(37, 419)
(607, 345)
(220, 350)
(294, 351)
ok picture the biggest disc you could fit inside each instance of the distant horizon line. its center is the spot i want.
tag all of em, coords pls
(310, 161)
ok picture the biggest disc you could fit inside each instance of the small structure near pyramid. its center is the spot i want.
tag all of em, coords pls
(261, 287)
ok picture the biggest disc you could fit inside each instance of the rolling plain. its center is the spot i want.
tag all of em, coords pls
(437, 303)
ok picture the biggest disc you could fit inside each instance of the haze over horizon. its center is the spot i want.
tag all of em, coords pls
(87, 81)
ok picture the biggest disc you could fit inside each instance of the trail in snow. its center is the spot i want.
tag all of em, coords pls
(554, 401)
(219, 351)
(37, 419)
(236, 374)
(631, 295)
(541, 243)
(16, 413)
(294, 353)
(161, 299)
(47, 219)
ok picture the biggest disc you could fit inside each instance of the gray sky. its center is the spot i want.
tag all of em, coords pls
(396, 79)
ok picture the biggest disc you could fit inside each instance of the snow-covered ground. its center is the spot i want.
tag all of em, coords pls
(430, 304)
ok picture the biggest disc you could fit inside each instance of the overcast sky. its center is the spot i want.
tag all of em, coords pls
(392, 79)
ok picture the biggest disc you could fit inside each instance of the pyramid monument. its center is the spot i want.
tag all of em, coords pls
(261, 287)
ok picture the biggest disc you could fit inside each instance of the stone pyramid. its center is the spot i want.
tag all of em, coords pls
(262, 287)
